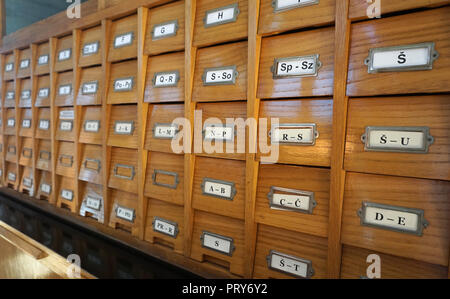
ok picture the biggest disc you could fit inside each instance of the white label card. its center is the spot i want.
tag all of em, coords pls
(165, 30)
(43, 59)
(11, 122)
(24, 63)
(165, 131)
(93, 203)
(46, 188)
(165, 227)
(294, 134)
(9, 67)
(26, 95)
(290, 4)
(125, 128)
(11, 177)
(64, 90)
(26, 123)
(221, 15)
(125, 213)
(43, 92)
(64, 54)
(298, 202)
(91, 48)
(165, 79)
(65, 126)
(289, 264)
(92, 126)
(67, 194)
(27, 182)
(125, 84)
(10, 95)
(302, 66)
(220, 76)
(123, 40)
(392, 219)
(44, 124)
(89, 87)
(217, 189)
(217, 243)
(67, 114)
(219, 133)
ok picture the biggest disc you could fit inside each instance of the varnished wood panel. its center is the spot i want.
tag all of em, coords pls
(124, 113)
(42, 82)
(62, 44)
(91, 164)
(119, 27)
(25, 85)
(91, 113)
(65, 164)
(24, 55)
(89, 36)
(123, 170)
(43, 114)
(42, 49)
(26, 114)
(122, 70)
(43, 157)
(62, 79)
(26, 152)
(88, 75)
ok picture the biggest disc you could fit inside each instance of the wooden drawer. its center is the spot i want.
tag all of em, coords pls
(304, 117)
(66, 196)
(123, 126)
(165, 177)
(123, 212)
(91, 164)
(283, 248)
(220, 22)
(91, 49)
(26, 152)
(122, 83)
(400, 216)
(123, 169)
(65, 164)
(9, 71)
(43, 92)
(123, 44)
(165, 78)
(44, 155)
(294, 198)
(229, 233)
(278, 53)
(355, 266)
(225, 135)
(91, 129)
(65, 130)
(90, 90)
(26, 121)
(24, 60)
(42, 60)
(63, 59)
(400, 31)
(10, 95)
(159, 120)
(44, 186)
(165, 224)
(64, 89)
(10, 122)
(25, 93)
(383, 118)
(165, 29)
(11, 148)
(43, 123)
(221, 73)
(27, 181)
(92, 204)
(11, 177)
(219, 186)
(277, 16)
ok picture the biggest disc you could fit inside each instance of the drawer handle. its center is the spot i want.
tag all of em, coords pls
(220, 75)
(213, 241)
(233, 18)
(62, 159)
(159, 30)
(283, 7)
(124, 213)
(12, 149)
(166, 79)
(45, 155)
(288, 134)
(290, 258)
(88, 163)
(129, 168)
(218, 188)
(164, 172)
(296, 67)
(291, 200)
(27, 150)
(166, 227)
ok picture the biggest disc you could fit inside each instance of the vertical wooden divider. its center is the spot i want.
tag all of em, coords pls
(34, 87)
(3, 114)
(17, 117)
(53, 117)
(76, 40)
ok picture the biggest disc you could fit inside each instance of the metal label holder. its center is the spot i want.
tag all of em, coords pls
(276, 7)
(312, 202)
(125, 44)
(116, 169)
(90, 92)
(309, 270)
(165, 35)
(169, 173)
(231, 184)
(229, 82)
(313, 127)
(124, 122)
(67, 58)
(276, 61)
(124, 89)
(235, 15)
(174, 224)
(230, 139)
(133, 212)
(174, 126)
(89, 160)
(85, 53)
(227, 239)
(61, 160)
(174, 84)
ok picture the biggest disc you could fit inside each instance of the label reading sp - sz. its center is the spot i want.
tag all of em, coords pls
(299, 66)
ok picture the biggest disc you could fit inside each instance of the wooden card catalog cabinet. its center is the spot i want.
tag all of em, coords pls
(165, 224)
(91, 165)
(65, 164)
(66, 196)
(63, 59)
(294, 198)
(286, 254)
(297, 64)
(219, 138)
(164, 179)
(11, 148)
(123, 126)
(354, 266)
(11, 175)
(42, 61)
(10, 122)
(165, 29)
(90, 89)
(219, 186)
(24, 63)
(165, 78)
(218, 22)
(283, 15)
(27, 181)
(44, 187)
(221, 73)
(65, 130)
(399, 216)
(10, 95)
(91, 129)
(43, 124)
(302, 134)
(92, 204)
(383, 137)
(25, 93)
(90, 47)
(160, 127)
(42, 95)
(44, 155)
(64, 89)
(123, 43)
(26, 152)
(25, 129)
(123, 83)
(409, 63)
(123, 170)
(123, 212)
(9, 68)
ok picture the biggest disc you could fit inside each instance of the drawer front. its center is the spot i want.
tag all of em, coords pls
(25, 125)
(24, 66)
(165, 177)
(219, 186)
(389, 72)
(286, 254)
(165, 78)
(26, 152)
(390, 151)
(91, 88)
(302, 134)
(10, 122)
(64, 54)
(123, 43)
(65, 129)
(219, 240)
(42, 60)
(44, 155)
(43, 125)
(90, 47)
(385, 266)
(221, 73)
(91, 128)
(25, 93)
(294, 198)
(287, 70)
(165, 224)
(123, 83)
(65, 164)
(42, 93)
(165, 29)
(64, 89)
(44, 187)
(92, 204)
(398, 216)
(27, 180)
(217, 135)
(9, 67)
(123, 169)
(123, 211)
(283, 15)
(91, 166)
(10, 95)
(123, 126)
(220, 22)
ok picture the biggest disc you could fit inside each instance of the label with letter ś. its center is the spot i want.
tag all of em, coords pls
(220, 76)
(218, 188)
(289, 264)
(166, 29)
(90, 48)
(64, 54)
(281, 5)
(26, 123)
(166, 79)
(123, 40)
(93, 203)
(89, 87)
(291, 200)
(124, 84)
(298, 66)
(43, 92)
(125, 213)
(218, 132)
(301, 134)
(67, 194)
(165, 227)
(218, 243)
(44, 124)
(24, 64)
(124, 127)
(43, 59)
(65, 90)
(92, 126)
(222, 15)
(165, 131)
(9, 67)
(46, 188)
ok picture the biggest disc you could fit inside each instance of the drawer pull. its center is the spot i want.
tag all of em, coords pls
(165, 131)
(27, 152)
(166, 79)
(415, 57)
(283, 5)
(220, 75)
(124, 127)
(290, 264)
(89, 88)
(291, 200)
(166, 227)
(44, 155)
(157, 172)
(63, 160)
(294, 134)
(166, 29)
(124, 213)
(91, 48)
(217, 243)
(221, 15)
(397, 139)
(12, 149)
(296, 66)
(399, 219)
(123, 40)
(213, 132)
(89, 164)
(129, 169)
(217, 188)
